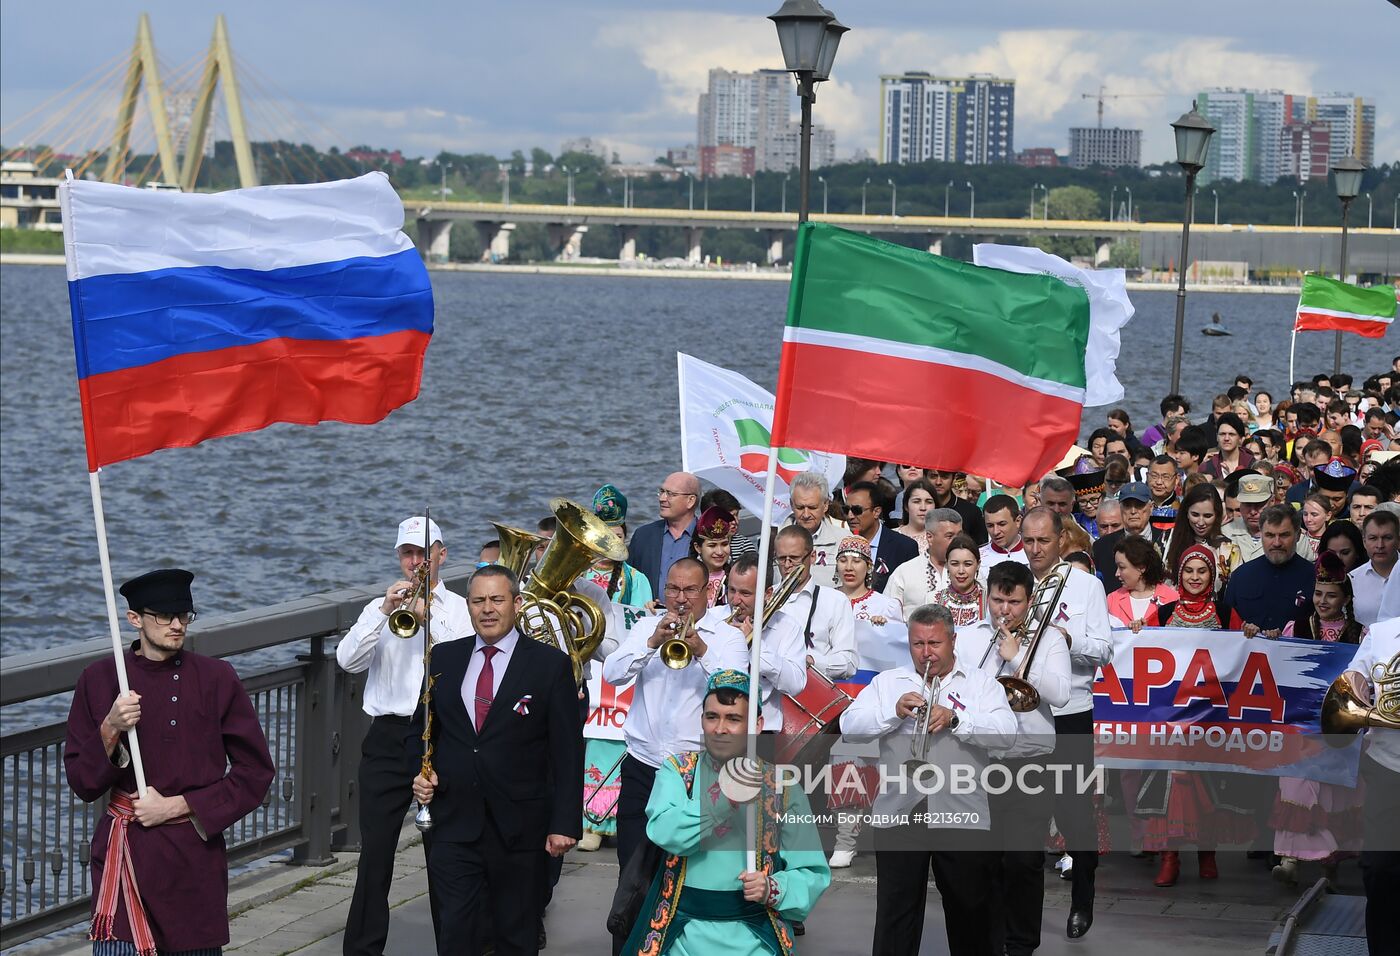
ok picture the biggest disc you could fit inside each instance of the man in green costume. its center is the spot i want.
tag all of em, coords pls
(703, 899)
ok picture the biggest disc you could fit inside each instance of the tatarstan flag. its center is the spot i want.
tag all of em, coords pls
(897, 355)
(753, 451)
(1327, 305)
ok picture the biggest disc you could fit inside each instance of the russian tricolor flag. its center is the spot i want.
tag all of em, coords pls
(200, 315)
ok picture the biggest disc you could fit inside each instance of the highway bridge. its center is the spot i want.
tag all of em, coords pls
(1370, 251)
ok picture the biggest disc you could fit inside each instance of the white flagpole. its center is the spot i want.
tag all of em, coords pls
(117, 650)
(1292, 344)
(685, 435)
(755, 692)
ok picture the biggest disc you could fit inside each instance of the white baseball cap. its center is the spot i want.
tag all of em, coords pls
(411, 532)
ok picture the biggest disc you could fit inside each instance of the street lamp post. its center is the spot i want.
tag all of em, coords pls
(505, 189)
(1034, 187)
(1216, 196)
(972, 203)
(1302, 200)
(626, 191)
(707, 194)
(569, 189)
(1129, 191)
(822, 180)
(1369, 208)
(1346, 175)
(1046, 207)
(946, 192)
(786, 177)
(1193, 134)
(1112, 209)
(894, 195)
(445, 167)
(753, 193)
(809, 35)
(863, 187)
(692, 190)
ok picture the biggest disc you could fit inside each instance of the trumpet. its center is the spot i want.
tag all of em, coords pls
(918, 744)
(675, 652)
(403, 622)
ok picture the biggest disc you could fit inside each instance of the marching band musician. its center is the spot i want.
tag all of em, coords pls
(664, 717)
(507, 780)
(1021, 815)
(946, 830)
(781, 667)
(823, 614)
(703, 899)
(393, 747)
(1082, 621)
(159, 868)
(1379, 656)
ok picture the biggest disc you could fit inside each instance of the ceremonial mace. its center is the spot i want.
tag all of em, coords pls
(423, 819)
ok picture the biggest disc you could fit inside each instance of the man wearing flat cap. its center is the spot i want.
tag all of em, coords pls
(159, 869)
(1255, 491)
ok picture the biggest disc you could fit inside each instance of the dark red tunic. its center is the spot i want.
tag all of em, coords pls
(200, 739)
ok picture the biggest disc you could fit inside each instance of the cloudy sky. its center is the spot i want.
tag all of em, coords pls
(492, 77)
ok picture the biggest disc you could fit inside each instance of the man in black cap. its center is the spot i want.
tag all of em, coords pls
(206, 765)
(1333, 481)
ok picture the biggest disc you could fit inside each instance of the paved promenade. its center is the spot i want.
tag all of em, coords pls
(282, 909)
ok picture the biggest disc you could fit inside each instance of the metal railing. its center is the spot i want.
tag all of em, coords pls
(309, 710)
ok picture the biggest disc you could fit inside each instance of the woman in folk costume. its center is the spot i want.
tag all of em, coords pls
(704, 899)
(964, 596)
(1312, 820)
(1182, 807)
(880, 644)
(714, 533)
(628, 588)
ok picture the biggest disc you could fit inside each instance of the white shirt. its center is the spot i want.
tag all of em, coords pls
(395, 665)
(909, 583)
(985, 721)
(782, 662)
(1390, 599)
(824, 545)
(1083, 612)
(664, 718)
(879, 647)
(1049, 674)
(505, 647)
(991, 556)
(1379, 646)
(1366, 588)
(833, 647)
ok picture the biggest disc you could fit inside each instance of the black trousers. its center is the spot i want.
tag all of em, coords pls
(636, 779)
(963, 870)
(1019, 824)
(1074, 812)
(1380, 856)
(481, 875)
(390, 758)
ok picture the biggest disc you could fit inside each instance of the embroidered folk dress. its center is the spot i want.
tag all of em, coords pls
(696, 906)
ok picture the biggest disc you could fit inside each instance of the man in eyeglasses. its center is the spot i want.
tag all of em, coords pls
(664, 717)
(159, 870)
(656, 546)
(824, 614)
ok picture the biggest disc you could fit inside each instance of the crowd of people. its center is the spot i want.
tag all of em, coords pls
(1274, 519)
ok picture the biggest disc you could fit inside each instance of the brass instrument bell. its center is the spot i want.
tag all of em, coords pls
(403, 621)
(1344, 712)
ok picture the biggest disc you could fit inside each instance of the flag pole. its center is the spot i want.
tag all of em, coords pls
(1292, 344)
(117, 650)
(755, 693)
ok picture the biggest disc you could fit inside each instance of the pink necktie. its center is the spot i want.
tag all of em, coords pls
(485, 686)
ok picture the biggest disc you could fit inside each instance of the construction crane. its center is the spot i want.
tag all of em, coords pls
(1101, 96)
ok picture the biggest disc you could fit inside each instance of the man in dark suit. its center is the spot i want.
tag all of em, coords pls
(656, 546)
(1135, 500)
(865, 507)
(508, 780)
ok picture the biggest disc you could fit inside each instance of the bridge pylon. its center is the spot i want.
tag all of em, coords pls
(218, 65)
(142, 65)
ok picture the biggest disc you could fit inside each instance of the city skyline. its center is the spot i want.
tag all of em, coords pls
(630, 75)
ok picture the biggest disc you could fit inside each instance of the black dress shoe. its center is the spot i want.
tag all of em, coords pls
(799, 928)
(1079, 922)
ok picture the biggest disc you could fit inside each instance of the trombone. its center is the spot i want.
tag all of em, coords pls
(1020, 692)
(403, 622)
(791, 583)
(918, 744)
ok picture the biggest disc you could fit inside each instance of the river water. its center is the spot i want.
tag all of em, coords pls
(534, 386)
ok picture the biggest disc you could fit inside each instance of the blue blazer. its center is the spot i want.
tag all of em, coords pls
(644, 553)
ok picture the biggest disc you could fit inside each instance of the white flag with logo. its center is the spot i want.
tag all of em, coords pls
(726, 421)
(1109, 309)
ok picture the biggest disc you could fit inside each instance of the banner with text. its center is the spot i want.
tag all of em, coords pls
(1186, 699)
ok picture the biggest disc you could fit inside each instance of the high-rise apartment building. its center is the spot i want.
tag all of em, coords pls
(1353, 122)
(1252, 137)
(753, 111)
(1104, 146)
(947, 119)
(1305, 150)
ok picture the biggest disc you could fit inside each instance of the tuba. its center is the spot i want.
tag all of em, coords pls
(1344, 712)
(517, 545)
(1020, 692)
(552, 612)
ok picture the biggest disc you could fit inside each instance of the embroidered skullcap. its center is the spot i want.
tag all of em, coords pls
(716, 523)
(854, 544)
(610, 505)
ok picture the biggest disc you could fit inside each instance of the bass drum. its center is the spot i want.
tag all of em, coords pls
(811, 721)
